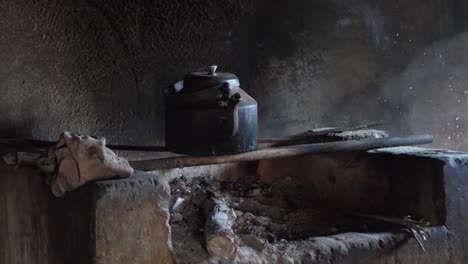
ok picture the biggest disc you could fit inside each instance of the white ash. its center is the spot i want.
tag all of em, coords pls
(266, 216)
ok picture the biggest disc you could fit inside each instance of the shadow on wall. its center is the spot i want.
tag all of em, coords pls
(99, 67)
(149, 48)
(14, 127)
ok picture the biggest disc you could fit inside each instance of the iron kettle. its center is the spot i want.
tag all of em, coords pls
(209, 114)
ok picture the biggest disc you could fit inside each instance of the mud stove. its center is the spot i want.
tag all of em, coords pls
(329, 208)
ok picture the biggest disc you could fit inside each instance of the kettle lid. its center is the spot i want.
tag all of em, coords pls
(200, 80)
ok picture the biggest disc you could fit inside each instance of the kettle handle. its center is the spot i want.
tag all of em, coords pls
(234, 101)
(230, 120)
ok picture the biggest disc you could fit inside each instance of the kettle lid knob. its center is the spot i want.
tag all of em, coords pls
(212, 69)
(196, 81)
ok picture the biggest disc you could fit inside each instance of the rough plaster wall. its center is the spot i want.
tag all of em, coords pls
(99, 66)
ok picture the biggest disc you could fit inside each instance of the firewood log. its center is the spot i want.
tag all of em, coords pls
(219, 236)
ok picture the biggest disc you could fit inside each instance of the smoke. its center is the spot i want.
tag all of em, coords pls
(431, 94)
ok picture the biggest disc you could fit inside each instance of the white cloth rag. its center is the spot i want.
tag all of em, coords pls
(75, 160)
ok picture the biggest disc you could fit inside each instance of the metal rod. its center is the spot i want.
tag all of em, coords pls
(282, 152)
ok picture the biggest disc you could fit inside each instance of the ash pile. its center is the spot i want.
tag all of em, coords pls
(224, 220)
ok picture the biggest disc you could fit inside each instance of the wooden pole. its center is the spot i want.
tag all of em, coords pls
(282, 152)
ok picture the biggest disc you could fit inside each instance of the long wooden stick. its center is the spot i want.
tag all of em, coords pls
(282, 152)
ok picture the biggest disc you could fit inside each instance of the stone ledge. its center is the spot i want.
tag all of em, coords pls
(440, 154)
(452, 181)
(132, 220)
(354, 248)
(112, 221)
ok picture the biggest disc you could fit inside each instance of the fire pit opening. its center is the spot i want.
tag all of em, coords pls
(297, 205)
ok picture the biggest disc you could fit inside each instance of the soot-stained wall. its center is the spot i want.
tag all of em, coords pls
(320, 63)
(99, 67)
